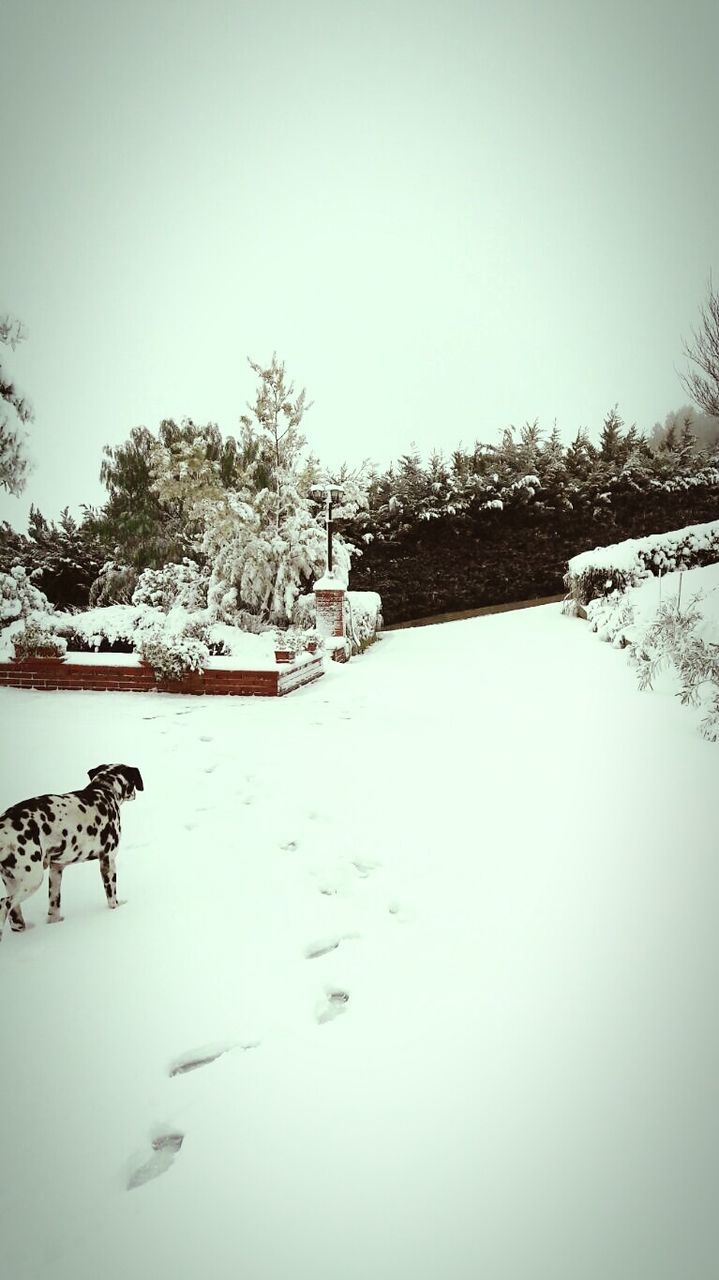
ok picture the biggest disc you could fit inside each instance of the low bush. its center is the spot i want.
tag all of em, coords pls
(35, 641)
(172, 657)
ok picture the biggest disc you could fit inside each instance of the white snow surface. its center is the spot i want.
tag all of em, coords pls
(446, 922)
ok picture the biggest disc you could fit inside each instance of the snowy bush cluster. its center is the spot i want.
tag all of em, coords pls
(171, 642)
(611, 569)
(669, 623)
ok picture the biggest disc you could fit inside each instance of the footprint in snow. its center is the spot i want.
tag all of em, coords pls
(364, 867)
(196, 1058)
(321, 948)
(331, 1006)
(164, 1149)
(210, 768)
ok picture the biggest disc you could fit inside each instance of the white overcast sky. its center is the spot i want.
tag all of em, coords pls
(446, 216)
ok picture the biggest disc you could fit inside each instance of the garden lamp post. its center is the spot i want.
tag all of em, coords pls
(330, 493)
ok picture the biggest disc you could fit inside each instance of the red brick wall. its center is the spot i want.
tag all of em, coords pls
(53, 673)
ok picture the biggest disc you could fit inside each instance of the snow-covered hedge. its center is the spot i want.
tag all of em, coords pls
(615, 568)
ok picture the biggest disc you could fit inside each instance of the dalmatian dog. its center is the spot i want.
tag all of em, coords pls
(53, 831)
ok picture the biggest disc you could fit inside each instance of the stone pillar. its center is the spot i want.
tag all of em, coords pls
(330, 610)
(330, 607)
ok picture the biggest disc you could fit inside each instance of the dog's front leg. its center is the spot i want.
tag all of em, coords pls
(109, 880)
(54, 889)
(17, 920)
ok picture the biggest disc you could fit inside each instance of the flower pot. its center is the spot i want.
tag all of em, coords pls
(284, 655)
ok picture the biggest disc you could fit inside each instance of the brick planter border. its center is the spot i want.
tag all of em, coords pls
(54, 673)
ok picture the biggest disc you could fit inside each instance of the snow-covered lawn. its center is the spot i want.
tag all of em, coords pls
(449, 918)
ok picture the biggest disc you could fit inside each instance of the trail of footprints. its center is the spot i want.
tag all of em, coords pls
(166, 1145)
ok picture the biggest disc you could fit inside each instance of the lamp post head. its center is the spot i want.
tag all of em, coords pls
(330, 492)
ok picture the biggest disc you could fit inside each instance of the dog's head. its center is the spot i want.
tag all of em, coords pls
(124, 779)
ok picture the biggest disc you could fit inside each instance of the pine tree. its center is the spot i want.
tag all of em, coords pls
(264, 541)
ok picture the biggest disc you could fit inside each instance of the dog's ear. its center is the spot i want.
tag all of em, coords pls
(99, 768)
(132, 776)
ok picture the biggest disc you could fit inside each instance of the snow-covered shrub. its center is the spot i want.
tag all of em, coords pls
(176, 584)
(612, 618)
(19, 597)
(617, 567)
(172, 656)
(34, 640)
(363, 618)
(114, 585)
(304, 613)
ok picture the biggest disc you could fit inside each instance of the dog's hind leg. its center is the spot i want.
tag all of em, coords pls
(14, 914)
(5, 905)
(18, 890)
(53, 892)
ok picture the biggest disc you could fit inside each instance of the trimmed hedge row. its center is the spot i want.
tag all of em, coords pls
(448, 566)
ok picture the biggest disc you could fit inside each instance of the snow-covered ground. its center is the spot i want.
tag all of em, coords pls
(449, 918)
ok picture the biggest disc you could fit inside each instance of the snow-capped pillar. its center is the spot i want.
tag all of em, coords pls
(330, 607)
(330, 610)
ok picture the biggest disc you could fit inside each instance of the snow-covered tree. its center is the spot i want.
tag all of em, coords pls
(265, 541)
(14, 463)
